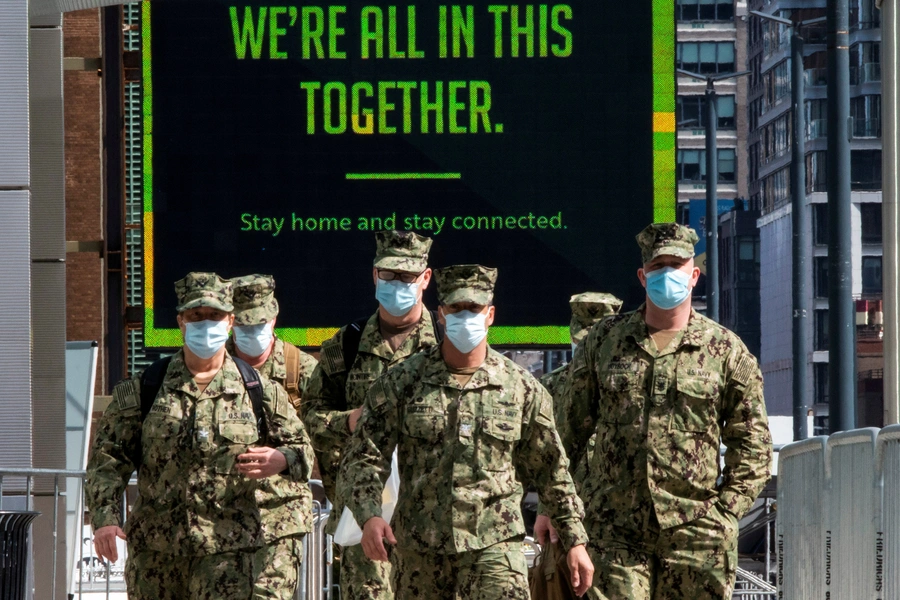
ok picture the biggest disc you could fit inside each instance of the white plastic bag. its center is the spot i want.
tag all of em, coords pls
(348, 532)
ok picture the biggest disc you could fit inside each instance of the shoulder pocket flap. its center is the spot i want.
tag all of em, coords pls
(239, 432)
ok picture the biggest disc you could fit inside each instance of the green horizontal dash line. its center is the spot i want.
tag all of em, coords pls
(404, 175)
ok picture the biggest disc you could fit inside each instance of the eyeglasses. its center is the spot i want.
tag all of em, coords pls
(402, 276)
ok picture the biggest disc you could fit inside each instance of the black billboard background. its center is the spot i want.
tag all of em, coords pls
(229, 137)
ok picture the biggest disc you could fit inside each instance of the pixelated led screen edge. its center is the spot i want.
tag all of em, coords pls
(664, 190)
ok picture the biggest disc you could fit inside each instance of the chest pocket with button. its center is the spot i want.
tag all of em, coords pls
(621, 397)
(425, 420)
(696, 404)
(163, 448)
(235, 437)
(501, 429)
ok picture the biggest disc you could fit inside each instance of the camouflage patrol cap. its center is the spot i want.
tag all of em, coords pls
(465, 283)
(203, 289)
(666, 238)
(401, 251)
(589, 308)
(254, 299)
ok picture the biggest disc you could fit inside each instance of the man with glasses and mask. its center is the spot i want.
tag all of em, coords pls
(286, 505)
(470, 426)
(348, 364)
(195, 440)
(662, 388)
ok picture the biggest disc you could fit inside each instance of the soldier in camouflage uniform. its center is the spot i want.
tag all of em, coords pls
(469, 426)
(399, 328)
(195, 529)
(661, 388)
(286, 505)
(588, 308)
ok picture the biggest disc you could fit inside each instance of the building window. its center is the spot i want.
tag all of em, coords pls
(821, 332)
(691, 165)
(864, 15)
(816, 172)
(870, 217)
(690, 112)
(704, 10)
(776, 138)
(705, 57)
(820, 224)
(871, 275)
(865, 170)
(865, 63)
(776, 189)
(816, 119)
(866, 114)
(820, 374)
(748, 260)
(820, 275)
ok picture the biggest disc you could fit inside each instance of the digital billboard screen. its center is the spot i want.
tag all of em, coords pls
(535, 138)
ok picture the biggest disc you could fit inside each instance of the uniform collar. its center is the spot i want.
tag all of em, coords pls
(695, 334)
(226, 381)
(492, 372)
(372, 342)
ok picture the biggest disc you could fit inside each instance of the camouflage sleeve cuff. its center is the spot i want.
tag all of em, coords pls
(735, 503)
(104, 517)
(298, 467)
(365, 511)
(571, 534)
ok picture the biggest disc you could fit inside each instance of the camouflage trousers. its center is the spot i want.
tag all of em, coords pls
(362, 578)
(694, 561)
(270, 573)
(276, 568)
(498, 572)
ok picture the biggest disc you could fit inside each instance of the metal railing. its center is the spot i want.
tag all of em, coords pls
(867, 128)
(19, 487)
(816, 77)
(816, 129)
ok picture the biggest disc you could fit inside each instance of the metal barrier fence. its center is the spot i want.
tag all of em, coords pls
(839, 517)
(95, 578)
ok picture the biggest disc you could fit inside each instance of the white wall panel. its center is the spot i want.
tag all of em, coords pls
(802, 519)
(13, 94)
(887, 557)
(854, 504)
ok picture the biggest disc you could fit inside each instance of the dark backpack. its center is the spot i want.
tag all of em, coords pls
(353, 335)
(152, 378)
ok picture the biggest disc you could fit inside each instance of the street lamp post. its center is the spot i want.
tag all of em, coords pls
(801, 250)
(712, 179)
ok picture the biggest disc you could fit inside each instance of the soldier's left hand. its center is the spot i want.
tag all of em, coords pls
(582, 569)
(259, 463)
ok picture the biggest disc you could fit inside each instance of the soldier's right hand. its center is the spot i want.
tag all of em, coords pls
(353, 418)
(542, 527)
(105, 542)
(375, 531)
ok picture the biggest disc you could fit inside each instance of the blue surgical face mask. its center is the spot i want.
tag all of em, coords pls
(668, 287)
(205, 338)
(396, 297)
(465, 329)
(253, 340)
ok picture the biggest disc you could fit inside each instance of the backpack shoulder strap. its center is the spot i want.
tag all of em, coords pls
(350, 341)
(438, 328)
(292, 367)
(151, 381)
(254, 388)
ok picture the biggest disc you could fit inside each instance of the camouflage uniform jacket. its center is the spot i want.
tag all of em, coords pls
(336, 389)
(275, 367)
(659, 419)
(192, 500)
(286, 505)
(463, 454)
(555, 382)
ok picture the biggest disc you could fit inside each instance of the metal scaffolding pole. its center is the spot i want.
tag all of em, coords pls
(841, 313)
(890, 103)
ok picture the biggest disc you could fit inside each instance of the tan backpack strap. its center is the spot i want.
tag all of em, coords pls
(292, 379)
